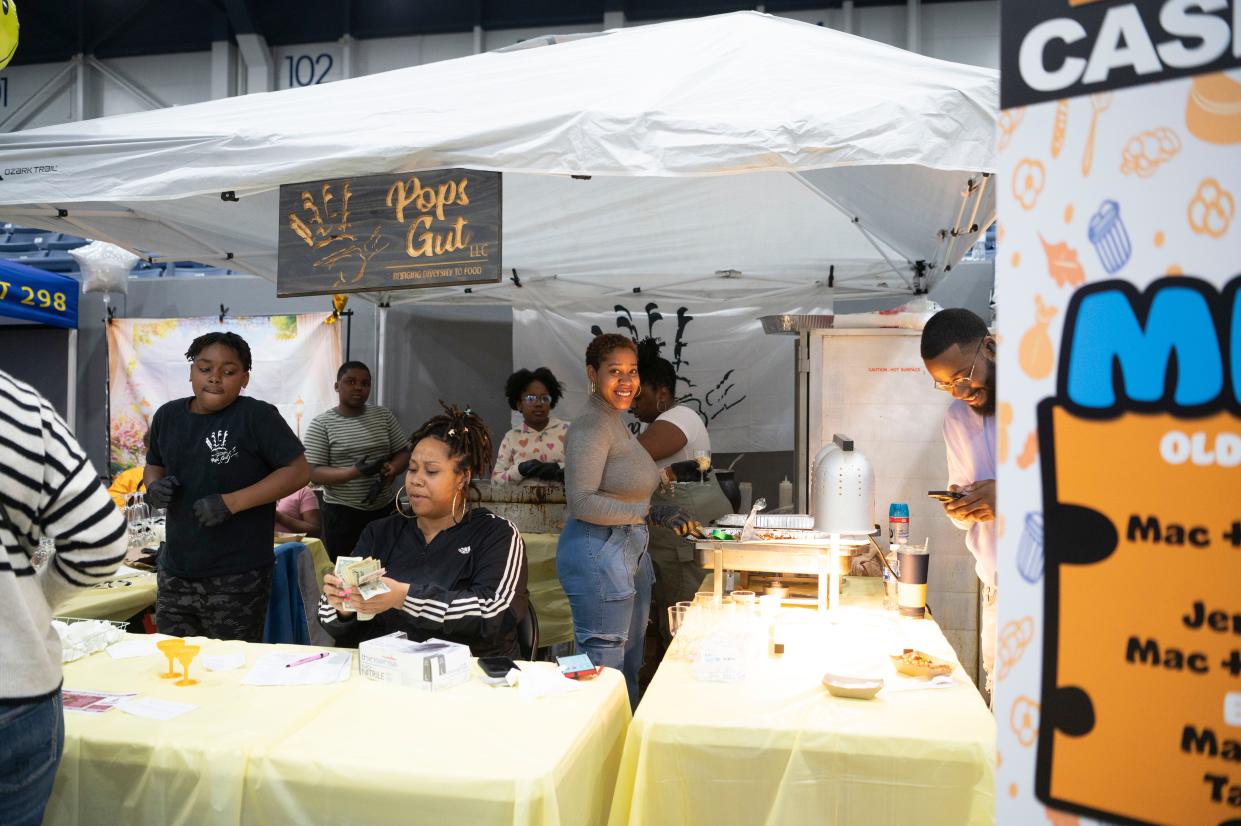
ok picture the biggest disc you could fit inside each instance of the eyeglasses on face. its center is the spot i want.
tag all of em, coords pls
(530, 398)
(964, 383)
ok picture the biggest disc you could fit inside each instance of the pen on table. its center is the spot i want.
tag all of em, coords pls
(305, 660)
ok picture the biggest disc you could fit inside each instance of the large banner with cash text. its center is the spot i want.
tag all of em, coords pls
(1118, 277)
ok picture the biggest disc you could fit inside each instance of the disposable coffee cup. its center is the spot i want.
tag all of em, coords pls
(911, 587)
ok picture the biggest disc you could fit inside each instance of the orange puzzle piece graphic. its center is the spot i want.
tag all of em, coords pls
(1141, 467)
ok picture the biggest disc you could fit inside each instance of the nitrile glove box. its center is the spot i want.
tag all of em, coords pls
(432, 665)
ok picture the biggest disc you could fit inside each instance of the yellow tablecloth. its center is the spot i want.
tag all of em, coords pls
(117, 600)
(550, 603)
(355, 752)
(776, 748)
(121, 598)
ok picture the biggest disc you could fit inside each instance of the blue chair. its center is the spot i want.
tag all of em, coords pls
(20, 245)
(286, 613)
(67, 242)
(57, 261)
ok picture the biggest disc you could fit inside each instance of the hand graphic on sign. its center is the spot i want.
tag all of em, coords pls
(363, 253)
(321, 223)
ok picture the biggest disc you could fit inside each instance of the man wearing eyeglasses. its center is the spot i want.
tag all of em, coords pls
(959, 353)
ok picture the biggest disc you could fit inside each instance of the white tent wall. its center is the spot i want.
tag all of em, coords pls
(965, 32)
(425, 348)
(166, 170)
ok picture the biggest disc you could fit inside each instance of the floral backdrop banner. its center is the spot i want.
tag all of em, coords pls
(295, 359)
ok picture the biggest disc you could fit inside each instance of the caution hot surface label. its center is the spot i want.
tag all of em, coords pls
(1141, 471)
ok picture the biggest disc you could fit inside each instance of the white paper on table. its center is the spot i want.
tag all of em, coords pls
(224, 662)
(143, 647)
(270, 669)
(91, 702)
(535, 683)
(126, 571)
(900, 682)
(154, 709)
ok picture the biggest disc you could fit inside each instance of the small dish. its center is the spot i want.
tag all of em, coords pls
(853, 688)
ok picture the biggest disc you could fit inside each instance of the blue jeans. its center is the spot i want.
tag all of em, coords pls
(32, 739)
(606, 573)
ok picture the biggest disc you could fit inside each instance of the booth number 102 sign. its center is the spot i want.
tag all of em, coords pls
(389, 232)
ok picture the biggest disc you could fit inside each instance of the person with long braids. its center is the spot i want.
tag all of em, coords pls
(455, 571)
(601, 557)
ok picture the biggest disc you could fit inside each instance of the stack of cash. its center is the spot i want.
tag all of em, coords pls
(363, 573)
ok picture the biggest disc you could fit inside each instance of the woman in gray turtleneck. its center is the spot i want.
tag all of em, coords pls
(609, 478)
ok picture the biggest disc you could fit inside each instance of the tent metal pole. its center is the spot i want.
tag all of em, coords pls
(381, 337)
(71, 397)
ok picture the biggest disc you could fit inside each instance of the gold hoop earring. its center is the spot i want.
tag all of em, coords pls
(456, 518)
(397, 500)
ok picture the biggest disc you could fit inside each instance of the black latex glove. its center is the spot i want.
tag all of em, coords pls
(673, 517)
(547, 471)
(687, 471)
(161, 491)
(369, 467)
(211, 510)
(376, 489)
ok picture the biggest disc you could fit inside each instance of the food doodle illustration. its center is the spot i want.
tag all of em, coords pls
(1030, 551)
(1036, 356)
(1213, 110)
(1062, 264)
(1024, 720)
(1144, 153)
(1008, 122)
(1029, 451)
(1211, 209)
(1013, 639)
(1098, 105)
(1029, 178)
(1060, 127)
(1109, 237)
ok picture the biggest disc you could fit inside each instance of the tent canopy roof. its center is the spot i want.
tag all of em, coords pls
(824, 133)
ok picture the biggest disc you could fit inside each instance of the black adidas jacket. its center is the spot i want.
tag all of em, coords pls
(468, 586)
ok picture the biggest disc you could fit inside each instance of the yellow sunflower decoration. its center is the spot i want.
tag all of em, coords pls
(8, 31)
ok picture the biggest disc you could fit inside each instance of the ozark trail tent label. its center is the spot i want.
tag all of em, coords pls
(389, 232)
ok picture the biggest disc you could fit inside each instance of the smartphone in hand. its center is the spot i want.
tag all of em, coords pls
(945, 495)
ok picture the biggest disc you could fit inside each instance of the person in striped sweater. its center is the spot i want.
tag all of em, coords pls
(455, 572)
(356, 451)
(48, 488)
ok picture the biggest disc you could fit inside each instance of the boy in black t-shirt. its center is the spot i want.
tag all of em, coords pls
(218, 462)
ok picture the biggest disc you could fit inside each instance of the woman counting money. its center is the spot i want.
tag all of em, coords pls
(609, 477)
(674, 436)
(453, 571)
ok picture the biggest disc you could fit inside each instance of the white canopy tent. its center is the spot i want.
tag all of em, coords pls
(728, 155)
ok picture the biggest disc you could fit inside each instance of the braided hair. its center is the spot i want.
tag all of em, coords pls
(654, 369)
(467, 437)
